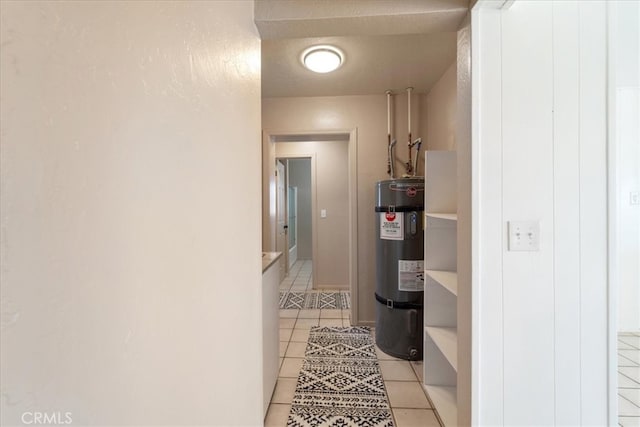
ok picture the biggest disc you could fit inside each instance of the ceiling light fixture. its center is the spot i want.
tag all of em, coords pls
(322, 59)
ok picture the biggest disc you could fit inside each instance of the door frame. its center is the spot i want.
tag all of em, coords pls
(612, 222)
(269, 138)
(616, 200)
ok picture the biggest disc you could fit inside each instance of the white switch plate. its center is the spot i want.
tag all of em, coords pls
(634, 198)
(524, 235)
(323, 213)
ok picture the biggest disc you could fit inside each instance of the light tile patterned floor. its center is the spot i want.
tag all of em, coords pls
(629, 379)
(409, 404)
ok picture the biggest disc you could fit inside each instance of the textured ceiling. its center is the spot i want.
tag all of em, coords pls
(387, 44)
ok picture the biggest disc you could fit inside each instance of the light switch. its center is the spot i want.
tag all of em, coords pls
(323, 213)
(524, 235)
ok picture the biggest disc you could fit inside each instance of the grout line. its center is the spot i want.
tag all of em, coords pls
(627, 344)
(635, 364)
(625, 375)
(630, 401)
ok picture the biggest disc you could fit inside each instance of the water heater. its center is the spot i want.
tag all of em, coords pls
(400, 267)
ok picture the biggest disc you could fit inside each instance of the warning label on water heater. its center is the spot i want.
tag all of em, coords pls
(410, 276)
(391, 226)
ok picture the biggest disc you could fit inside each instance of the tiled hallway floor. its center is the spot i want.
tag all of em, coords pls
(629, 379)
(409, 404)
(407, 399)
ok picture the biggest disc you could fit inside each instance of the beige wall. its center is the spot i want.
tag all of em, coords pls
(366, 114)
(120, 126)
(330, 169)
(440, 130)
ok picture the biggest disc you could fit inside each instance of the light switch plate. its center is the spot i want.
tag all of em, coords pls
(323, 213)
(524, 235)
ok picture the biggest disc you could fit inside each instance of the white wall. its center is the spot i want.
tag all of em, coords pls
(539, 141)
(440, 124)
(120, 126)
(300, 177)
(625, 116)
(331, 182)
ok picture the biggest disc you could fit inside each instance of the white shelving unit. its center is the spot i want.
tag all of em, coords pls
(441, 284)
(449, 216)
(446, 340)
(447, 279)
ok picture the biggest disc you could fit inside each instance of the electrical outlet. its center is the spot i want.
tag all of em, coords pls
(524, 235)
(634, 198)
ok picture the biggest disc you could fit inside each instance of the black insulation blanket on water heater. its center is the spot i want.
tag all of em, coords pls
(400, 267)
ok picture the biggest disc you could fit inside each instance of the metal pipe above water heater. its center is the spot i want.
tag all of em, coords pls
(409, 164)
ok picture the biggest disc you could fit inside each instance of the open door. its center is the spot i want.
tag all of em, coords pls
(292, 206)
(282, 244)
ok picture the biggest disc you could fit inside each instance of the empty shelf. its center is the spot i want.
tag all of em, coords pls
(446, 339)
(448, 279)
(445, 401)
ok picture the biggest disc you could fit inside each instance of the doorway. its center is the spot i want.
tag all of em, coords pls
(300, 195)
(333, 217)
(319, 169)
(294, 211)
(624, 208)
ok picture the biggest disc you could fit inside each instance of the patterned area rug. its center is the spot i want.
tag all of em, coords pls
(340, 383)
(306, 300)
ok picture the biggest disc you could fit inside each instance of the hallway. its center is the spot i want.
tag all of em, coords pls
(402, 379)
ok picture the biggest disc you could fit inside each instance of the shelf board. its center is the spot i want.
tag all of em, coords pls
(446, 339)
(447, 216)
(448, 279)
(445, 401)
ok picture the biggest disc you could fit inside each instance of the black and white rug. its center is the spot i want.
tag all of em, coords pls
(340, 383)
(310, 300)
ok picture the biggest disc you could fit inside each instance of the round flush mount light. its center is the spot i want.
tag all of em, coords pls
(322, 59)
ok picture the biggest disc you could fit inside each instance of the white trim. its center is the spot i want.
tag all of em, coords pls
(475, 217)
(612, 256)
(353, 223)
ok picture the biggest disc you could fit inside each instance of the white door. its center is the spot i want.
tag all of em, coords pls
(281, 217)
(292, 207)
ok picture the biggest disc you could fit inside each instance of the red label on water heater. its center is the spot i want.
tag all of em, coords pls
(391, 226)
(411, 191)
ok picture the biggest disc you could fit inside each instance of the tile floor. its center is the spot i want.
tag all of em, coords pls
(409, 403)
(629, 379)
